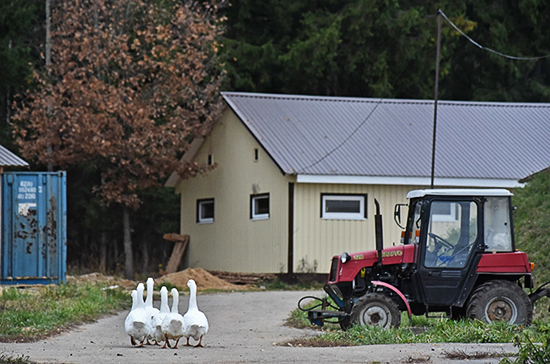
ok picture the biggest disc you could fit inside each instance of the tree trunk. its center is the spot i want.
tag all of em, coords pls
(129, 260)
(115, 256)
(145, 257)
(103, 253)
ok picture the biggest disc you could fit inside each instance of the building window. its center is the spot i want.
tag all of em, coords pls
(444, 211)
(259, 206)
(343, 207)
(210, 160)
(256, 154)
(205, 211)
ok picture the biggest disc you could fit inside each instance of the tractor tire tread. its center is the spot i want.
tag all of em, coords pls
(485, 291)
(392, 307)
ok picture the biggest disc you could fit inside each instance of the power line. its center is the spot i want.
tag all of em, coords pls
(489, 49)
(345, 140)
(381, 99)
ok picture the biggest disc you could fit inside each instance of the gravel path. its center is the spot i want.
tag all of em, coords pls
(245, 327)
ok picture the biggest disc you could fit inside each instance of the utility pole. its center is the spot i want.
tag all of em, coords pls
(436, 94)
(48, 56)
(48, 49)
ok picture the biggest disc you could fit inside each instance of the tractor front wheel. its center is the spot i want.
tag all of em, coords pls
(500, 300)
(375, 309)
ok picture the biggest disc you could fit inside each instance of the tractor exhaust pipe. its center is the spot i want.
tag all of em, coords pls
(378, 231)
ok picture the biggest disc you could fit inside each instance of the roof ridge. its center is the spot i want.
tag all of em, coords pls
(353, 99)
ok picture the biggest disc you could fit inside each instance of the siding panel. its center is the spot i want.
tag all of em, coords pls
(316, 240)
(233, 242)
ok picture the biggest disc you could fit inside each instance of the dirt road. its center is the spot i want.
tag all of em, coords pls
(245, 327)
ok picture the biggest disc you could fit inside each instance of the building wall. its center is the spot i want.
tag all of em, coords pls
(234, 242)
(317, 240)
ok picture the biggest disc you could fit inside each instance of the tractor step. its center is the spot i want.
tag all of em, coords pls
(317, 317)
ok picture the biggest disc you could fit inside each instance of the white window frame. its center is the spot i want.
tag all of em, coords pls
(253, 214)
(360, 215)
(200, 204)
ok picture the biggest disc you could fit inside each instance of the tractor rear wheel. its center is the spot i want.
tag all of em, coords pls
(500, 300)
(375, 309)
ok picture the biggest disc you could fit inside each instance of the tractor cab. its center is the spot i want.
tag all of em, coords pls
(452, 229)
(457, 259)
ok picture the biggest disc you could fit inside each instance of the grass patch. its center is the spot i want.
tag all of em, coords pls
(532, 231)
(423, 330)
(17, 360)
(31, 314)
(277, 284)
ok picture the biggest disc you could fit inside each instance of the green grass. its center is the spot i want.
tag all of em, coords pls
(532, 231)
(11, 360)
(14, 360)
(423, 330)
(29, 314)
(304, 284)
(532, 224)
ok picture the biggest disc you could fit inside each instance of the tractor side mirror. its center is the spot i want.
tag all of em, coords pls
(397, 214)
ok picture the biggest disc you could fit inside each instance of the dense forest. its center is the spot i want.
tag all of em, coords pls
(122, 60)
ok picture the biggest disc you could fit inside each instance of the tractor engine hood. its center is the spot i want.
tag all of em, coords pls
(347, 270)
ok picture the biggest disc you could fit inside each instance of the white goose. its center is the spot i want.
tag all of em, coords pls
(172, 325)
(195, 321)
(157, 319)
(137, 322)
(151, 311)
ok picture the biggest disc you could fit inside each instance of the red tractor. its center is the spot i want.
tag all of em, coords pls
(457, 259)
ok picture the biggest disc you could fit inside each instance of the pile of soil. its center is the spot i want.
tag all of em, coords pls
(204, 280)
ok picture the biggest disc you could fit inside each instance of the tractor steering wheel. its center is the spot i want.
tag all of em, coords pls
(440, 240)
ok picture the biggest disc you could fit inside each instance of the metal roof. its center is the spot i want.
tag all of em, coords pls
(8, 159)
(314, 135)
(459, 192)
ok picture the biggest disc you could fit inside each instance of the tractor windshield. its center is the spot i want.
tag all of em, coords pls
(452, 232)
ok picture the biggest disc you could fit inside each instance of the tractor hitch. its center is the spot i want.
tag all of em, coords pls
(317, 314)
(542, 291)
(318, 317)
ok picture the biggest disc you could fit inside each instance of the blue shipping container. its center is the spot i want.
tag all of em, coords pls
(34, 227)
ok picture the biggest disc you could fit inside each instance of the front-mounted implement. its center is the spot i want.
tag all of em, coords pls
(457, 259)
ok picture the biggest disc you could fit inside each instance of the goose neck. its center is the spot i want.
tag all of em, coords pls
(175, 302)
(193, 298)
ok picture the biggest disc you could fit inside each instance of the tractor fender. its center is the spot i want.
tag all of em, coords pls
(399, 293)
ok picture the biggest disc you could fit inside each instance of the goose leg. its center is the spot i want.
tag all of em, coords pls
(200, 343)
(166, 342)
(187, 342)
(133, 341)
(177, 341)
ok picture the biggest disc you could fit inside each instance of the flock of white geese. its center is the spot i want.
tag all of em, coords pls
(148, 325)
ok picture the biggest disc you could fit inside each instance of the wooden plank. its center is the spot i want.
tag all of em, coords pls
(176, 237)
(177, 252)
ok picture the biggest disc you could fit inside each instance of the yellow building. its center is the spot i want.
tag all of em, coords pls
(296, 177)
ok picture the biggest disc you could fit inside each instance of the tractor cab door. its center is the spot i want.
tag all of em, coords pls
(448, 239)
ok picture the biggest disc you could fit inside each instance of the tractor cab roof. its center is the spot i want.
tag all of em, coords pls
(459, 192)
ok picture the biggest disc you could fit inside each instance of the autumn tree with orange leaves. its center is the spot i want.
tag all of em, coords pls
(132, 82)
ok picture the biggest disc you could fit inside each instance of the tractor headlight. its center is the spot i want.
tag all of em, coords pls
(345, 257)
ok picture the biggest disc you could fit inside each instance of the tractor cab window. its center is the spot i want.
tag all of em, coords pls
(452, 232)
(498, 237)
(415, 224)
